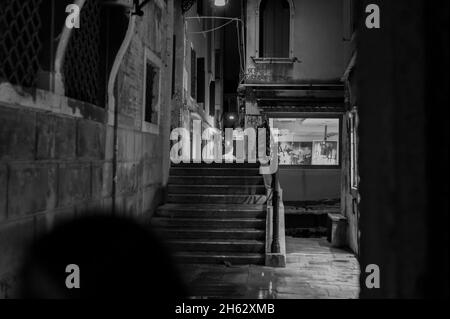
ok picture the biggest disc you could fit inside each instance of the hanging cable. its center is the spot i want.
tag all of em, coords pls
(212, 17)
(241, 62)
(212, 30)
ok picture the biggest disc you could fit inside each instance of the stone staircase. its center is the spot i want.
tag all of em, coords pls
(214, 214)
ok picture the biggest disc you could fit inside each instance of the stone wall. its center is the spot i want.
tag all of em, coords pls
(55, 165)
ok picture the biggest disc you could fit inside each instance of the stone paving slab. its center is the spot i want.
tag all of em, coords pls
(314, 270)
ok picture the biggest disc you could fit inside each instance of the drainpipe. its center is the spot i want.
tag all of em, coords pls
(112, 107)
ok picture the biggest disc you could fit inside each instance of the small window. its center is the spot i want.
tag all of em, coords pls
(193, 74)
(274, 29)
(201, 80)
(308, 141)
(212, 98)
(217, 65)
(200, 7)
(174, 62)
(152, 92)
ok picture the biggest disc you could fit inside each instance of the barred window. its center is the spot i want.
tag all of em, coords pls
(20, 45)
(91, 51)
(29, 35)
(82, 61)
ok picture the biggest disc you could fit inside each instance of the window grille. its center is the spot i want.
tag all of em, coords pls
(19, 41)
(186, 5)
(81, 64)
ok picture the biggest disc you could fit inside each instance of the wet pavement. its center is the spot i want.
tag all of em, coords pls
(314, 270)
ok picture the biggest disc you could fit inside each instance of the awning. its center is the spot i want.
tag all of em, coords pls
(296, 97)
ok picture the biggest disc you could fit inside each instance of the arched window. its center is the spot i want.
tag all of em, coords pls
(29, 38)
(274, 32)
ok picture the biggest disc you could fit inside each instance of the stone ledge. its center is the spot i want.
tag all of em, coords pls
(16, 96)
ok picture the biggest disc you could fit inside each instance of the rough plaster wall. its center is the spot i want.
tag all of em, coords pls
(318, 40)
(301, 184)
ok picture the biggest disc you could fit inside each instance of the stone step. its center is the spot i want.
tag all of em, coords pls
(211, 211)
(219, 258)
(210, 171)
(208, 245)
(214, 234)
(217, 189)
(216, 180)
(209, 223)
(216, 165)
(216, 199)
(215, 213)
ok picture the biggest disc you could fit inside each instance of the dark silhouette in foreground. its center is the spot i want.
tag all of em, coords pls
(117, 258)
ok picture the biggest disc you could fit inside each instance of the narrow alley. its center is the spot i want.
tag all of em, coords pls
(267, 149)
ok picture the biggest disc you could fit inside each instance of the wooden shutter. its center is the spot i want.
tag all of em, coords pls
(201, 80)
(193, 73)
(274, 31)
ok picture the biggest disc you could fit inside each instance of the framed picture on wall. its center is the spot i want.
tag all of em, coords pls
(325, 153)
(295, 153)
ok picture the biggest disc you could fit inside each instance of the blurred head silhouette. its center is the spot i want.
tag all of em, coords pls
(116, 258)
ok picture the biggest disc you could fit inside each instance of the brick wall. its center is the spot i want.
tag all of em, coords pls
(55, 166)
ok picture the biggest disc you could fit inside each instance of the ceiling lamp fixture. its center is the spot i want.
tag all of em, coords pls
(220, 3)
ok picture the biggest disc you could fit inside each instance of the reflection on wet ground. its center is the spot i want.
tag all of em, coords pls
(313, 270)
